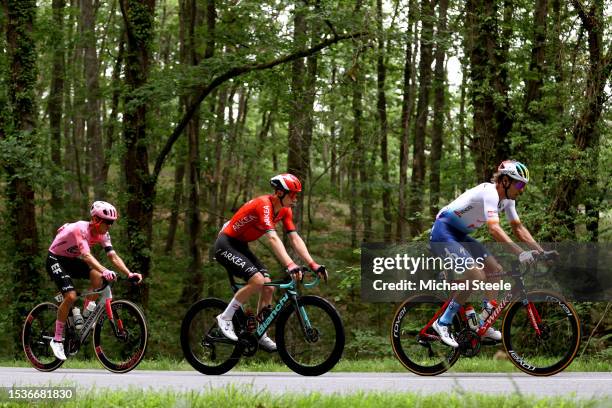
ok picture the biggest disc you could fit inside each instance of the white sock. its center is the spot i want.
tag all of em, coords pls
(229, 311)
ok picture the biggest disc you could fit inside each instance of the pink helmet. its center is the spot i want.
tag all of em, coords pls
(286, 182)
(104, 210)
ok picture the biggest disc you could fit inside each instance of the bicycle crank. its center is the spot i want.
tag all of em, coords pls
(469, 342)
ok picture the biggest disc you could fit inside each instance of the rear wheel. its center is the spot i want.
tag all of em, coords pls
(204, 345)
(120, 343)
(556, 346)
(310, 340)
(38, 330)
(421, 353)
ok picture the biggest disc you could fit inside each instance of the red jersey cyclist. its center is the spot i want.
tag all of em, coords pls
(70, 257)
(474, 208)
(253, 220)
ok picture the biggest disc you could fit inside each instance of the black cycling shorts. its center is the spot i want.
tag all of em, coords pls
(237, 258)
(62, 269)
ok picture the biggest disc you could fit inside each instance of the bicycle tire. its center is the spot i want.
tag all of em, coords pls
(420, 358)
(121, 353)
(38, 329)
(556, 348)
(304, 356)
(208, 337)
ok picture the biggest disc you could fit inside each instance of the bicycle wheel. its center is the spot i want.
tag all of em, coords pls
(555, 348)
(421, 354)
(38, 330)
(204, 345)
(120, 343)
(314, 350)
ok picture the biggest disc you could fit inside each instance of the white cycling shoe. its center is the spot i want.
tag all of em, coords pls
(227, 328)
(445, 335)
(492, 334)
(58, 349)
(267, 344)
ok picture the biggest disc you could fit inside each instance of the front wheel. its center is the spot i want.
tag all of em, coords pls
(204, 345)
(310, 338)
(557, 344)
(38, 330)
(120, 343)
(421, 352)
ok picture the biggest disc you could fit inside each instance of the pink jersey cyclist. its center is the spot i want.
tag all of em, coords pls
(70, 257)
(75, 239)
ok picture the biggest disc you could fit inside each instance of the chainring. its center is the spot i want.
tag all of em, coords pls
(249, 343)
(469, 342)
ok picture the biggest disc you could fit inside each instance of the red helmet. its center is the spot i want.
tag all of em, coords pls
(104, 210)
(286, 182)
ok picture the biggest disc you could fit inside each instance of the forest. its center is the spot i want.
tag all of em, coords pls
(179, 111)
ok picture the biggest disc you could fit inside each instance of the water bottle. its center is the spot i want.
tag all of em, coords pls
(78, 319)
(487, 309)
(472, 319)
(91, 306)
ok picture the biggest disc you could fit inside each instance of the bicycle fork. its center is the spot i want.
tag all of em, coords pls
(310, 333)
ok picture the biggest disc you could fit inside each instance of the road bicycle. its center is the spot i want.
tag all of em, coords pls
(540, 330)
(120, 333)
(309, 332)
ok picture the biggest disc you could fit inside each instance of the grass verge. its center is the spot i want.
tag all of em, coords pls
(237, 397)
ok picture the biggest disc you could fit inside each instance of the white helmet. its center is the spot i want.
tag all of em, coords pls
(104, 210)
(514, 169)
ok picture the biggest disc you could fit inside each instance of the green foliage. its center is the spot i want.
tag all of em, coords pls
(245, 396)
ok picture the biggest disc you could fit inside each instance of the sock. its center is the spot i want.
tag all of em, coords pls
(450, 312)
(229, 311)
(59, 331)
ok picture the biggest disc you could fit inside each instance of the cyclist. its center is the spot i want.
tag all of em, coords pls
(253, 220)
(474, 208)
(70, 257)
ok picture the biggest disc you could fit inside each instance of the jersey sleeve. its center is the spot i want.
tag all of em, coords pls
(106, 243)
(288, 221)
(510, 210)
(264, 214)
(490, 200)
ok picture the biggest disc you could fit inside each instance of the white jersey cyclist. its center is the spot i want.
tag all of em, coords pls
(475, 207)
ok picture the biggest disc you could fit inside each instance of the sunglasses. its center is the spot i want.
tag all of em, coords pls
(108, 222)
(520, 185)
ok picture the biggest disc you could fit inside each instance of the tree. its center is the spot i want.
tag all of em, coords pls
(422, 113)
(18, 135)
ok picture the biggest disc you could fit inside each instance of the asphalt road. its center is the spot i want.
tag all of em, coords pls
(580, 384)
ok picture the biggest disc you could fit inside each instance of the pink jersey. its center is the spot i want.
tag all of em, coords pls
(76, 238)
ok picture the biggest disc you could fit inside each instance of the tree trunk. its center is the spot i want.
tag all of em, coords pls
(112, 119)
(586, 130)
(139, 18)
(56, 101)
(408, 96)
(439, 86)
(381, 107)
(177, 198)
(297, 162)
(20, 130)
(488, 75)
(92, 111)
(422, 112)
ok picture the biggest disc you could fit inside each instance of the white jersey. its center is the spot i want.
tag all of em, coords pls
(477, 206)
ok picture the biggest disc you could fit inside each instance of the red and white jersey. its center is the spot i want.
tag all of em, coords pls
(75, 239)
(257, 217)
